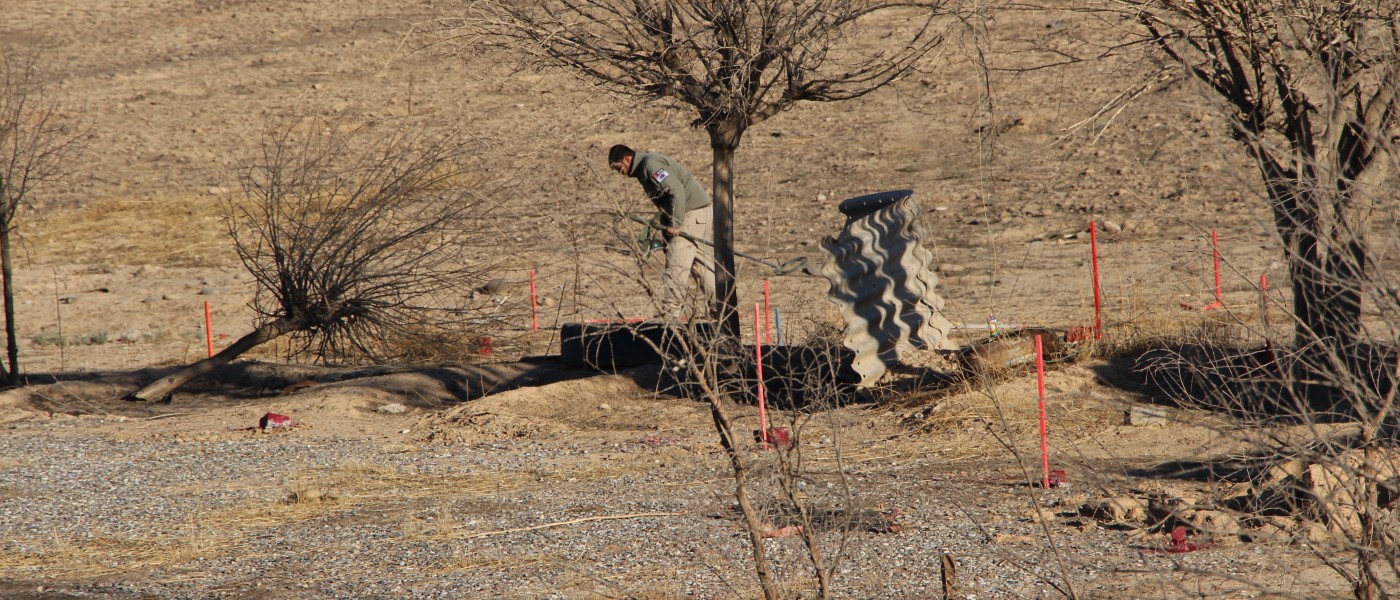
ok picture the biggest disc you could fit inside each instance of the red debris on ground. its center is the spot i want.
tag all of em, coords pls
(1179, 543)
(272, 421)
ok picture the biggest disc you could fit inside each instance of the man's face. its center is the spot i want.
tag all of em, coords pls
(622, 166)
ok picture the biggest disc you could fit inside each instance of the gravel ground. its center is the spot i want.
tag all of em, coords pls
(643, 515)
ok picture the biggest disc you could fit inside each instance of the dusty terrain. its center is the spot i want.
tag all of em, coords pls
(575, 484)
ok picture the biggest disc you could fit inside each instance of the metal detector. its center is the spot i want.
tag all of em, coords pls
(794, 265)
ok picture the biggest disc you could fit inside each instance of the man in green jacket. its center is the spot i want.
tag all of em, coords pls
(684, 208)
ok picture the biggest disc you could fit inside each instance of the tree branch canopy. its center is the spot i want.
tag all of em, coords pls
(743, 60)
(1310, 84)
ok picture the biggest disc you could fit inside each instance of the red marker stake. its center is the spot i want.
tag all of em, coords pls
(534, 304)
(767, 339)
(1044, 436)
(208, 328)
(762, 400)
(1215, 259)
(1098, 296)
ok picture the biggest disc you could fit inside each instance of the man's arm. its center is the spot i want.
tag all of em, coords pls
(669, 195)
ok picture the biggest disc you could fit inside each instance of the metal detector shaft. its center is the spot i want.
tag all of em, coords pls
(790, 266)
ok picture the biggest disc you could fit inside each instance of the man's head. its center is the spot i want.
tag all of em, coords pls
(620, 159)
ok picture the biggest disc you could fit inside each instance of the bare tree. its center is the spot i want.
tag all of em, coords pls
(1309, 87)
(357, 240)
(733, 63)
(39, 146)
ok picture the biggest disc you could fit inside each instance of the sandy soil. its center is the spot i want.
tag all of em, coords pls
(178, 94)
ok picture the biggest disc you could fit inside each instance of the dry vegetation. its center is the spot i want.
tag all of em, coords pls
(551, 484)
(169, 231)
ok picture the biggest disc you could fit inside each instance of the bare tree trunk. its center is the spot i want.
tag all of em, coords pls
(7, 276)
(1326, 261)
(724, 138)
(725, 427)
(163, 387)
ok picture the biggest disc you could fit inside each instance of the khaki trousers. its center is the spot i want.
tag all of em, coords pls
(685, 258)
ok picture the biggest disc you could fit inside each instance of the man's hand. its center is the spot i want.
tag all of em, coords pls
(672, 232)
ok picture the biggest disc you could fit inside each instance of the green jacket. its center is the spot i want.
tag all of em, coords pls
(669, 186)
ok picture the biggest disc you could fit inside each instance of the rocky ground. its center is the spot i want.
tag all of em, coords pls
(485, 478)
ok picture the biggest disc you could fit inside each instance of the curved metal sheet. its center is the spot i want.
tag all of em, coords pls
(882, 282)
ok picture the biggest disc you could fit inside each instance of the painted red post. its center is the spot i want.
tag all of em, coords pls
(208, 328)
(767, 339)
(534, 304)
(762, 400)
(1044, 433)
(1098, 295)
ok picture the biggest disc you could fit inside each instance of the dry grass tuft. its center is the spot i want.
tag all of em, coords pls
(304, 493)
(438, 525)
(104, 556)
(173, 231)
(1158, 329)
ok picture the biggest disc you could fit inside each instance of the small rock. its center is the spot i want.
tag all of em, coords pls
(1116, 510)
(210, 291)
(604, 407)
(1238, 496)
(494, 287)
(1270, 529)
(392, 409)
(1314, 533)
(1140, 416)
(548, 301)
(272, 421)
(821, 197)
(1213, 522)
(1111, 228)
(218, 190)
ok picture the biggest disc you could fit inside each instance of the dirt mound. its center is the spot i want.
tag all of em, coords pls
(617, 402)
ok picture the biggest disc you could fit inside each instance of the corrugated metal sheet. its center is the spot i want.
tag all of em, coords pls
(882, 281)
